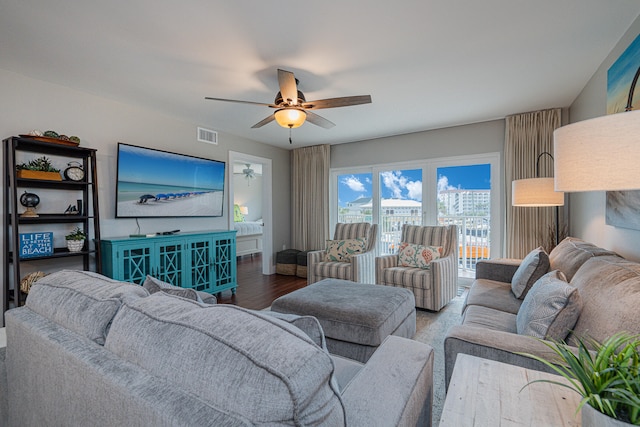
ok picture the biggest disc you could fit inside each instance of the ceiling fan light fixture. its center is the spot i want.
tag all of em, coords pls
(290, 118)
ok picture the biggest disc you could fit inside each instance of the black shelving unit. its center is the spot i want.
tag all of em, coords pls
(14, 224)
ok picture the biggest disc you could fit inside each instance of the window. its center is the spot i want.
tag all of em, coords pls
(458, 190)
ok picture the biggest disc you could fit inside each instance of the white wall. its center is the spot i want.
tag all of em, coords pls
(101, 123)
(587, 210)
(248, 195)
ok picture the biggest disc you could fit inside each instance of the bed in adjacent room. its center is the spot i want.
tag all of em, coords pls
(248, 237)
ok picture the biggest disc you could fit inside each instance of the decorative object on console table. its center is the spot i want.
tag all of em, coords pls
(75, 240)
(36, 244)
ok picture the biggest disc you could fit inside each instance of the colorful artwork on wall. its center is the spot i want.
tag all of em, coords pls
(623, 207)
(621, 78)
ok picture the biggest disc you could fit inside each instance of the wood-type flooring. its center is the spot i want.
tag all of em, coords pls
(256, 290)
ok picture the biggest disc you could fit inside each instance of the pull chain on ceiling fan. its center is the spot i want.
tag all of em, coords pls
(292, 109)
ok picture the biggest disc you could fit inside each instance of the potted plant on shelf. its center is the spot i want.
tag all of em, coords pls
(606, 375)
(40, 168)
(75, 240)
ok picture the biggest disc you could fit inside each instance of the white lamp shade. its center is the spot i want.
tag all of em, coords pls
(244, 210)
(535, 192)
(601, 154)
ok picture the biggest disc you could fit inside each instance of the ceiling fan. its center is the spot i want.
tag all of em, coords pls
(292, 108)
(248, 172)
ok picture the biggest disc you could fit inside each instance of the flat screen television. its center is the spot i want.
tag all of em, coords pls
(156, 183)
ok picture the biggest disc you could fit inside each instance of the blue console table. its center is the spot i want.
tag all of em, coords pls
(204, 261)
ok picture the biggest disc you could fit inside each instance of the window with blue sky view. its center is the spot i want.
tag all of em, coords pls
(407, 184)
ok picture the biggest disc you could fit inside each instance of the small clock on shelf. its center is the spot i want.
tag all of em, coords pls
(74, 172)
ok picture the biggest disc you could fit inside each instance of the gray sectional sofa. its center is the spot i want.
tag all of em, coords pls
(609, 296)
(88, 350)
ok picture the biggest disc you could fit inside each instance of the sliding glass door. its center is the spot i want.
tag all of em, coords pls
(400, 202)
(464, 199)
(355, 203)
(460, 190)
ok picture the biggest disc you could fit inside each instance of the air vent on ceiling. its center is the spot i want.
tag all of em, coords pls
(208, 136)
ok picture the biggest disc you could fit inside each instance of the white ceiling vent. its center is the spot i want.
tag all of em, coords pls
(208, 136)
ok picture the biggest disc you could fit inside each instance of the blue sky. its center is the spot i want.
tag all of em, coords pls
(619, 77)
(137, 164)
(407, 184)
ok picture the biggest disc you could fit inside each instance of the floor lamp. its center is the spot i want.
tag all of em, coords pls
(600, 154)
(538, 192)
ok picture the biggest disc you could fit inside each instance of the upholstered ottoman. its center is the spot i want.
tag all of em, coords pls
(355, 317)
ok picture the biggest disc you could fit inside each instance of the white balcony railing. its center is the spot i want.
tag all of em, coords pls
(474, 234)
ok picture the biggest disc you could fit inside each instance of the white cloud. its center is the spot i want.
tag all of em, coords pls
(415, 190)
(354, 184)
(399, 184)
(394, 181)
(443, 184)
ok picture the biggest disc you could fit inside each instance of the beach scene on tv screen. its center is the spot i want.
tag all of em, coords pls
(157, 183)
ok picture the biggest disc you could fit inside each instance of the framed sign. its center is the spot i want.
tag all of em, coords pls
(36, 244)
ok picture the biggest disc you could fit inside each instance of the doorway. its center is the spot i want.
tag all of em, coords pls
(261, 203)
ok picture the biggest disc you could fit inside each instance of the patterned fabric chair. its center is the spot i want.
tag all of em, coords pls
(359, 269)
(435, 286)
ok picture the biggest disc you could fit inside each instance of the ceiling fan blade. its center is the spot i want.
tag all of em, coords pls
(319, 121)
(241, 102)
(264, 122)
(344, 101)
(288, 87)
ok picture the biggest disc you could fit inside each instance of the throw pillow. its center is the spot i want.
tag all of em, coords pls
(419, 256)
(341, 250)
(533, 267)
(230, 358)
(154, 285)
(551, 308)
(237, 215)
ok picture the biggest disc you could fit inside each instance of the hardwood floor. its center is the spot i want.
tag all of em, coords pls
(256, 290)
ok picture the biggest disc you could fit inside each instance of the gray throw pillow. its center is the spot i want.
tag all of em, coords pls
(307, 324)
(533, 266)
(82, 301)
(154, 285)
(231, 358)
(551, 308)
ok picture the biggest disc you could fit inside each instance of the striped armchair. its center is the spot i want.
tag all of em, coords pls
(435, 286)
(361, 266)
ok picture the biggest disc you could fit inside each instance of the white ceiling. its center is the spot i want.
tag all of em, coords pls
(426, 63)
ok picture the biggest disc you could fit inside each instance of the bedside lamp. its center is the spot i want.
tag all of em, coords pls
(538, 192)
(244, 210)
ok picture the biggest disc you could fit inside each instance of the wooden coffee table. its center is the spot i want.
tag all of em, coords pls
(487, 393)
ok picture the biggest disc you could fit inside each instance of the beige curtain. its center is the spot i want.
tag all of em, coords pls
(310, 197)
(526, 137)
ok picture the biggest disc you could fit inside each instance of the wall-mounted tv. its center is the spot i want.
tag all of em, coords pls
(156, 183)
